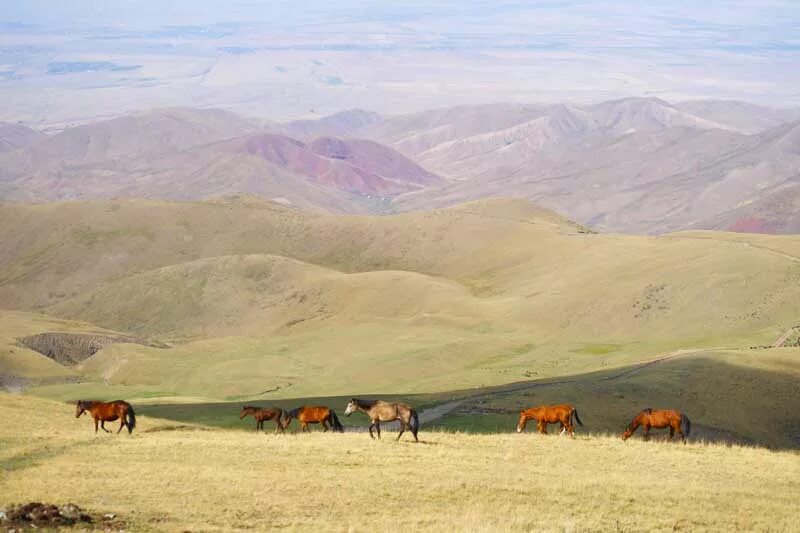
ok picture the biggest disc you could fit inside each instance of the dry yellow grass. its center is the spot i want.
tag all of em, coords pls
(229, 480)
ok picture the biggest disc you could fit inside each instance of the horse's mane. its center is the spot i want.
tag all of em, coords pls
(293, 413)
(648, 410)
(365, 404)
(249, 407)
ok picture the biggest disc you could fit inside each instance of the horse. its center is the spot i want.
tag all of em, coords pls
(261, 415)
(659, 419)
(313, 415)
(550, 414)
(108, 412)
(379, 411)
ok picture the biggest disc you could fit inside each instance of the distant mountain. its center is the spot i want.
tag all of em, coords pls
(743, 116)
(638, 165)
(775, 213)
(13, 136)
(633, 165)
(203, 155)
(343, 124)
(353, 165)
(417, 132)
(774, 207)
(155, 132)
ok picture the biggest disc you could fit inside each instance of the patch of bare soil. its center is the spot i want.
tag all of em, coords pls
(36, 515)
(71, 348)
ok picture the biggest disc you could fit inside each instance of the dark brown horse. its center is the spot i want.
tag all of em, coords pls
(550, 414)
(379, 411)
(262, 415)
(108, 412)
(313, 415)
(659, 419)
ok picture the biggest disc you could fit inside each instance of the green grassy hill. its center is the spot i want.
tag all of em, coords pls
(240, 298)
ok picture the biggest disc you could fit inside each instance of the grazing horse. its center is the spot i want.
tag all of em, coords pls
(550, 414)
(313, 415)
(108, 412)
(379, 411)
(659, 419)
(262, 415)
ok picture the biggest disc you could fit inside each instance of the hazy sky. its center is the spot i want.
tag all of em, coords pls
(280, 60)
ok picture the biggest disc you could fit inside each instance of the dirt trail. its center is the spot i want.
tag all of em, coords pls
(438, 411)
(783, 338)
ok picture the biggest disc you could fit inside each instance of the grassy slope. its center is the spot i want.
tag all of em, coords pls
(257, 296)
(739, 396)
(761, 384)
(347, 482)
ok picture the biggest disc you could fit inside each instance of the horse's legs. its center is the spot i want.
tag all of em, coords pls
(103, 426)
(303, 427)
(324, 426)
(370, 430)
(671, 432)
(402, 429)
(122, 424)
(378, 428)
(647, 432)
(95, 426)
(278, 425)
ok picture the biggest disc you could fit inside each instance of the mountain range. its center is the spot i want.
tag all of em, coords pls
(637, 165)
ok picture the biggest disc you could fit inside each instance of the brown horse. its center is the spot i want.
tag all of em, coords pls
(108, 412)
(313, 415)
(659, 419)
(550, 414)
(379, 411)
(262, 415)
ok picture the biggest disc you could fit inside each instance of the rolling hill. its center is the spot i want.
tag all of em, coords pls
(484, 293)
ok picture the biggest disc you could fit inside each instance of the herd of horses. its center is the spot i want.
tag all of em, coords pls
(380, 411)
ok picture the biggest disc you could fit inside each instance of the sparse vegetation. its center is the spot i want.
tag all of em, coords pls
(242, 480)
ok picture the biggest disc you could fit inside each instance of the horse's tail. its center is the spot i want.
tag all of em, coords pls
(577, 418)
(686, 426)
(337, 426)
(131, 419)
(414, 423)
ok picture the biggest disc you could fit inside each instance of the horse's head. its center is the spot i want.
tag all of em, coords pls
(80, 408)
(523, 420)
(352, 407)
(245, 411)
(627, 433)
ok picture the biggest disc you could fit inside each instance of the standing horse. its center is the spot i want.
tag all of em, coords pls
(379, 411)
(262, 415)
(108, 412)
(550, 414)
(313, 415)
(659, 419)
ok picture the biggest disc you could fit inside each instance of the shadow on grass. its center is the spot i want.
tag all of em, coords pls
(726, 402)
